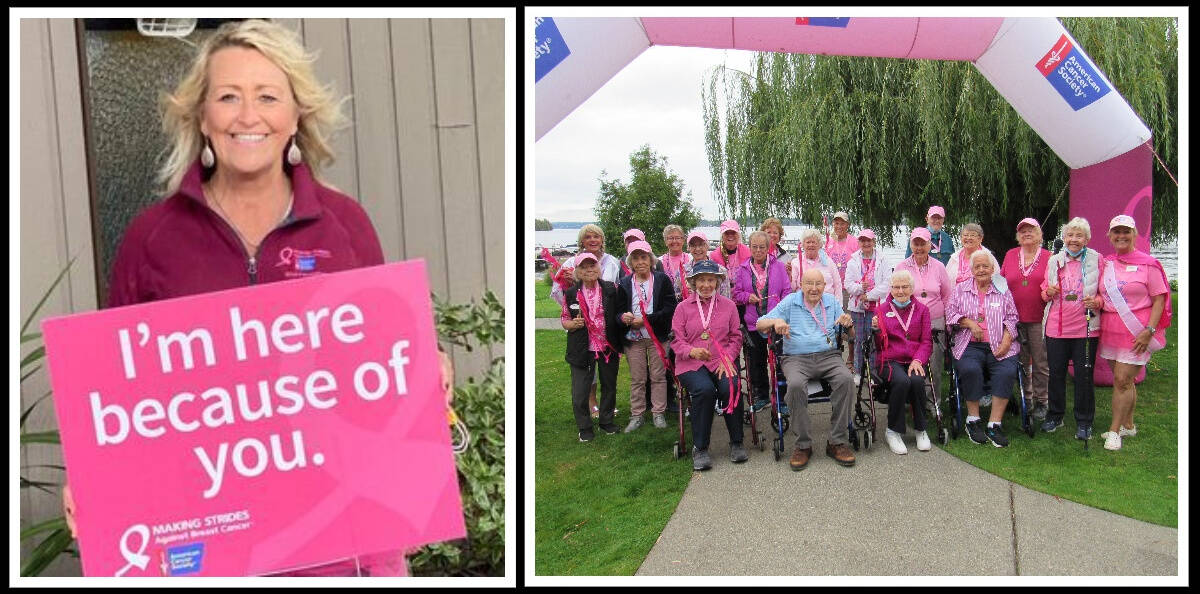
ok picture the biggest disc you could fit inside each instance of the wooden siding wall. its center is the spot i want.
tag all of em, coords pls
(424, 156)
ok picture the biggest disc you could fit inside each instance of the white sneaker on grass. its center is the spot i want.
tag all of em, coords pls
(1130, 432)
(923, 441)
(896, 442)
(1112, 440)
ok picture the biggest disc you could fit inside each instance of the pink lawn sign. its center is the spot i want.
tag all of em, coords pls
(256, 430)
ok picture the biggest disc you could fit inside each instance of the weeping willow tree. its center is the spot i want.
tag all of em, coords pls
(802, 136)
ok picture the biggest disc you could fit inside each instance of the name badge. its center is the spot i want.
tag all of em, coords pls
(1131, 268)
(891, 314)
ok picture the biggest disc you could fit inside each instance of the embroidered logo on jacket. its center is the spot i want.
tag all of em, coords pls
(300, 262)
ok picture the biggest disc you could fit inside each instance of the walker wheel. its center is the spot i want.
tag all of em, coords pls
(761, 441)
(944, 436)
(866, 440)
(776, 450)
(675, 450)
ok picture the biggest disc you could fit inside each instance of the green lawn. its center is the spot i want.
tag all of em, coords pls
(600, 505)
(589, 526)
(543, 305)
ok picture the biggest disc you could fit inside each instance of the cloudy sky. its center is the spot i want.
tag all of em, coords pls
(654, 100)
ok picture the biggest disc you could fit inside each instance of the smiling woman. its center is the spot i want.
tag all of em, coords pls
(247, 127)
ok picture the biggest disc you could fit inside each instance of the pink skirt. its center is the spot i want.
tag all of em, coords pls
(1123, 355)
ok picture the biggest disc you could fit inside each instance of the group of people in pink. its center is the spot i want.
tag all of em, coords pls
(687, 316)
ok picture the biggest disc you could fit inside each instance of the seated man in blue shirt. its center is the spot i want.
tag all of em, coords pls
(808, 320)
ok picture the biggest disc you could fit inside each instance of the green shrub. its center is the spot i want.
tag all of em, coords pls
(480, 404)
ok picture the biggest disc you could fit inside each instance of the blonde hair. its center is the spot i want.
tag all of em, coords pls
(1078, 224)
(590, 228)
(319, 112)
(772, 221)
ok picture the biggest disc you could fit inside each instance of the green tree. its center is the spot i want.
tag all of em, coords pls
(883, 138)
(542, 225)
(652, 200)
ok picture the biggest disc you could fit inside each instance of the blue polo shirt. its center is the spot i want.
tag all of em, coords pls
(806, 335)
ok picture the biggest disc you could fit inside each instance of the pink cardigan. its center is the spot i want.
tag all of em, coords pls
(723, 327)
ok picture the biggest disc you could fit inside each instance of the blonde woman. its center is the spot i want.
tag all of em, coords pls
(249, 129)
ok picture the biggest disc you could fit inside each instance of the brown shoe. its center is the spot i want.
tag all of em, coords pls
(840, 453)
(800, 458)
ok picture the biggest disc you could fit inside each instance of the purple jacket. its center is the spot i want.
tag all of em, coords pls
(898, 345)
(179, 246)
(778, 286)
(723, 327)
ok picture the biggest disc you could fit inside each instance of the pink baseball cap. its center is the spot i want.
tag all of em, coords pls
(1028, 221)
(638, 245)
(869, 234)
(936, 210)
(730, 225)
(582, 257)
(1122, 220)
(695, 234)
(921, 233)
(635, 233)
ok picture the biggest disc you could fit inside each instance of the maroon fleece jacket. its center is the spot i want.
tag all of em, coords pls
(179, 246)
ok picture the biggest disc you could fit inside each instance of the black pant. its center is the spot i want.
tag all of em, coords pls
(705, 389)
(581, 384)
(1058, 352)
(756, 360)
(904, 388)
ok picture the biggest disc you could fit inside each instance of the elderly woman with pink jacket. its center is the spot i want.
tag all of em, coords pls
(707, 339)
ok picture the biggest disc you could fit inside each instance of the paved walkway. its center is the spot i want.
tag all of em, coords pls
(924, 513)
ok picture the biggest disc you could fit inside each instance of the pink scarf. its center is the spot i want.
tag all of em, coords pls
(594, 321)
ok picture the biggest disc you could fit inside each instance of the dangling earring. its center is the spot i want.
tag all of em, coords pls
(293, 154)
(206, 156)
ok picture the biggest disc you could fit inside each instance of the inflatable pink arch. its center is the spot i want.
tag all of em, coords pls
(1033, 62)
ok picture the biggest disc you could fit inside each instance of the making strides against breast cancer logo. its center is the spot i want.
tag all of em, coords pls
(301, 262)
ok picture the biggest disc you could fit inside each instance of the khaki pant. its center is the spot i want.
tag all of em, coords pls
(828, 365)
(1033, 344)
(646, 366)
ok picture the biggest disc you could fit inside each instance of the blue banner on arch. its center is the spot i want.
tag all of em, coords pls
(549, 49)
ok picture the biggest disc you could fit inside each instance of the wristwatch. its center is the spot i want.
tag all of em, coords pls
(1152, 330)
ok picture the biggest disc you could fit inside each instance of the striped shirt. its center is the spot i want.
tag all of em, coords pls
(1000, 312)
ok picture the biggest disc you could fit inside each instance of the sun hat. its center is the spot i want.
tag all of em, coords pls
(869, 234)
(706, 267)
(730, 225)
(1028, 221)
(841, 214)
(936, 210)
(634, 232)
(695, 234)
(1122, 220)
(920, 233)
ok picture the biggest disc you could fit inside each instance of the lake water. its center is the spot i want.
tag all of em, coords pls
(1167, 254)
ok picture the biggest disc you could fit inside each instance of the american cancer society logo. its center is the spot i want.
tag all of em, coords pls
(1068, 70)
(185, 559)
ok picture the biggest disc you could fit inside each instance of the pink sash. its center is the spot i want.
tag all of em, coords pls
(1113, 290)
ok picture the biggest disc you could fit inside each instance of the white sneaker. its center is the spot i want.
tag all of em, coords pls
(923, 441)
(896, 442)
(1130, 432)
(1112, 440)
